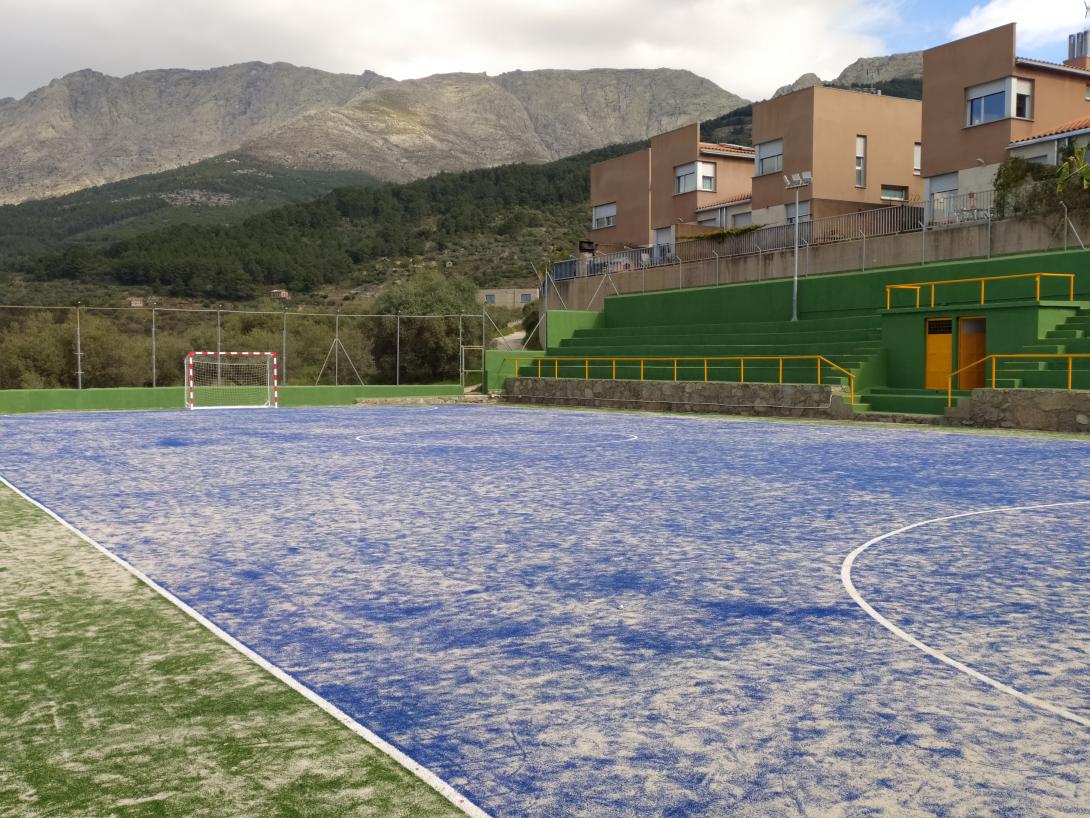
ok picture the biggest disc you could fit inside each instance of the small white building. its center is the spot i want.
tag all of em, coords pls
(507, 297)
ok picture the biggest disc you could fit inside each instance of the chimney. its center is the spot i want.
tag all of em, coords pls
(1077, 51)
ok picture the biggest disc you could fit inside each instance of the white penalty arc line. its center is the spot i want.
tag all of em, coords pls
(417, 769)
(846, 579)
(622, 437)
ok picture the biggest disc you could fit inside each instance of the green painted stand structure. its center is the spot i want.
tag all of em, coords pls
(843, 317)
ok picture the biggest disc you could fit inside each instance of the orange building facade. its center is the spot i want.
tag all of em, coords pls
(652, 196)
(980, 100)
(862, 149)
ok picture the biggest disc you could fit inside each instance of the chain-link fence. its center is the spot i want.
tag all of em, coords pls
(87, 347)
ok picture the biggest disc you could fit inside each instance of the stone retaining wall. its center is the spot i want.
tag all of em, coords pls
(757, 399)
(1047, 410)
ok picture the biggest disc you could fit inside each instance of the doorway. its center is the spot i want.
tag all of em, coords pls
(939, 353)
(972, 346)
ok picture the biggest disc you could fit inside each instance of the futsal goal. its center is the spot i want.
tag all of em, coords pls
(230, 380)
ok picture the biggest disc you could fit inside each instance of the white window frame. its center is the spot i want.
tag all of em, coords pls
(1023, 88)
(685, 178)
(743, 219)
(603, 215)
(706, 171)
(917, 158)
(860, 160)
(902, 193)
(770, 157)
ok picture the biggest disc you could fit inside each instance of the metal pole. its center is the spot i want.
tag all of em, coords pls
(153, 363)
(863, 235)
(461, 353)
(716, 267)
(397, 358)
(795, 279)
(923, 243)
(79, 353)
(989, 234)
(337, 350)
(219, 357)
(284, 351)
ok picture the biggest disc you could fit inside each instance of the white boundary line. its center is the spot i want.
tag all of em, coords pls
(1026, 698)
(419, 770)
(624, 437)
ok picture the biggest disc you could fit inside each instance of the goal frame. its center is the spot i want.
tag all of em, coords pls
(273, 386)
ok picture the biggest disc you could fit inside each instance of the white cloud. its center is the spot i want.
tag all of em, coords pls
(1040, 22)
(746, 46)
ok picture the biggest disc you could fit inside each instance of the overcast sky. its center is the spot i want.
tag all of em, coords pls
(747, 46)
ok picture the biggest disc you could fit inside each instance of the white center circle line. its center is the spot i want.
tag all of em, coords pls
(846, 579)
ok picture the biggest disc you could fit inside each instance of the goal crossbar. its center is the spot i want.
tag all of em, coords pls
(231, 380)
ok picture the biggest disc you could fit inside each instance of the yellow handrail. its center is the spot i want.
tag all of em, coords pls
(820, 360)
(919, 285)
(995, 358)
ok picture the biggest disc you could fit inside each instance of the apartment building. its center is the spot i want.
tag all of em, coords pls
(983, 103)
(655, 195)
(863, 150)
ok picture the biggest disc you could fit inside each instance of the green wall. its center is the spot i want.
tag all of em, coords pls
(845, 293)
(1010, 327)
(173, 397)
(562, 324)
(499, 365)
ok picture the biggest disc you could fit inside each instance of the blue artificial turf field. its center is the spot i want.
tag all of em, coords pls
(565, 613)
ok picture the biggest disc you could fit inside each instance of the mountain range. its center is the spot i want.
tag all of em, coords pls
(87, 128)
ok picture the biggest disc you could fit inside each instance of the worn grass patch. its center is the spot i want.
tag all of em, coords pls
(114, 703)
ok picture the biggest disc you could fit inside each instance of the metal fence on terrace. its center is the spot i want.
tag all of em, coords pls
(943, 210)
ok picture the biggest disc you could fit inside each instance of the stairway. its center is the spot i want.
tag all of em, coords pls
(853, 342)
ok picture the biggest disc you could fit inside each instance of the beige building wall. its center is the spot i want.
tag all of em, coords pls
(642, 184)
(819, 127)
(625, 180)
(507, 296)
(974, 152)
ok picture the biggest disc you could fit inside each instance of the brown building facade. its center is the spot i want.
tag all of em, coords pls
(863, 150)
(641, 198)
(979, 98)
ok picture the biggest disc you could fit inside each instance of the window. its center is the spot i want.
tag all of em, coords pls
(742, 219)
(707, 176)
(894, 193)
(1088, 92)
(490, 298)
(1023, 99)
(804, 212)
(685, 178)
(525, 298)
(604, 216)
(917, 158)
(861, 161)
(770, 157)
(988, 108)
(694, 176)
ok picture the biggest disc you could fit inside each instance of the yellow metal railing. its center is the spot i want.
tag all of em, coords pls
(1035, 356)
(550, 367)
(920, 285)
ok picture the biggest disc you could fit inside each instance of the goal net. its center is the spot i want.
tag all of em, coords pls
(230, 380)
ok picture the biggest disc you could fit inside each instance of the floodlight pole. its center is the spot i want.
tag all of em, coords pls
(796, 182)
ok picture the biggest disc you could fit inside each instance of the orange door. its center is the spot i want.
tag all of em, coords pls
(939, 353)
(972, 346)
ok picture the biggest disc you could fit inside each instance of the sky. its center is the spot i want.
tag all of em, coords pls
(750, 47)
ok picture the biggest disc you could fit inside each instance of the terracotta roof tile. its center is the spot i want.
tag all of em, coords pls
(741, 150)
(737, 197)
(1083, 123)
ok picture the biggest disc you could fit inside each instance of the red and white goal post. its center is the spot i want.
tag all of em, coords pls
(231, 380)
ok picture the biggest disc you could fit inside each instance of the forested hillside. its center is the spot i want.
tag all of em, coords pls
(223, 190)
(491, 225)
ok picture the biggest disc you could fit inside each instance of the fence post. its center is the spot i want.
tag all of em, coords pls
(863, 235)
(153, 363)
(989, 253)
(923, 242)
(461, 351)
(716, 267)
(397, 355)
(284, 351)
(679, 273)
(337, 349)
(79, 353)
